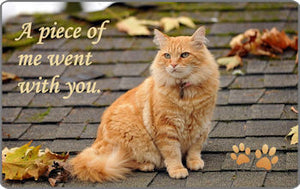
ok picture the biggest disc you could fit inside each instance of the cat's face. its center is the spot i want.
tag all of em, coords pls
(183, 58)
(177, 56)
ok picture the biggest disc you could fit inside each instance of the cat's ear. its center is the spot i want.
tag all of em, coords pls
(159, 38)
(198, 38)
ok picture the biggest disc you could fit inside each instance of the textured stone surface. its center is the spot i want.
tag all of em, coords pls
(89, 131)
(229, 129)
(130, 82)
(130, 69)
(268, 128)
(76, 99)
(70, 145)
(107, 98)
(76, 74)
(69, 130)
(280, 96)
(281, 80)
(257, 142)
(287, 113)
(249, 179)
(230, 113)
(291, 161)
(43, 115)
(108, 83)
(221, 144)
(163, 180)
(106, 57)
(281, 179)
(138, 179)
(137, 56)
(10, 114)
(270, 111)
(38, 132)
(236, 28)
(34, 71)
(13, 131)
(213, 162)
(256, 66)
(286, 66)
(261, 15)
(222, 97)
(84, 115)
(16, 99)
(210, 179)
(249, 96)
(248, 82)
(226, 80)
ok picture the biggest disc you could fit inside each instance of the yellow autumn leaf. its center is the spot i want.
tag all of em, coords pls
(186, 21)
(230, 62)
(170, 23)
(294, 134)
(134, 26)
(27, 162)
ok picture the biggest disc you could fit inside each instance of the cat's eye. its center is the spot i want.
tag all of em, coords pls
(167, 55)
(184, 55)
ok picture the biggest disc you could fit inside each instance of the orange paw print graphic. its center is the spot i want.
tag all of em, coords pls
(266, 162)
(241, 157)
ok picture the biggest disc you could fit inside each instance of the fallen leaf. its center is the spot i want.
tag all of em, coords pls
(294, 43)
(186, 21)
(27, 162)
(238, 72)
(57, 172)
(230, 62)
(277, 40)
(170, 23)
(294, 110)
(9, 76)
(133, 26)
(294, 135)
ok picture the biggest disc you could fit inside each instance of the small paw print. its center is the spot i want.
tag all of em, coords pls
(242, 157)
(266, 162)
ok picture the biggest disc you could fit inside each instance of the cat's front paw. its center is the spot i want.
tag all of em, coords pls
(178, 173)
(195, 164)
(146, 167)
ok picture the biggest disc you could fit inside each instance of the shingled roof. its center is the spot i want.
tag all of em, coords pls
(253, 108)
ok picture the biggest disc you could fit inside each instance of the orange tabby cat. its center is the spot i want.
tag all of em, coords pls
(164, 119)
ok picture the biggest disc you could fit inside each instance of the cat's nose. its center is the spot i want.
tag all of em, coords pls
(174, 65)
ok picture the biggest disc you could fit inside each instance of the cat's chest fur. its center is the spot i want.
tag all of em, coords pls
(191, 118)
(189, 115)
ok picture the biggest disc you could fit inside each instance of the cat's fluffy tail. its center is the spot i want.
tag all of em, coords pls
(92, 165)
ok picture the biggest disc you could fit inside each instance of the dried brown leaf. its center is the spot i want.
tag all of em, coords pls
(277, 40)
(6, 76)
(294, 43)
